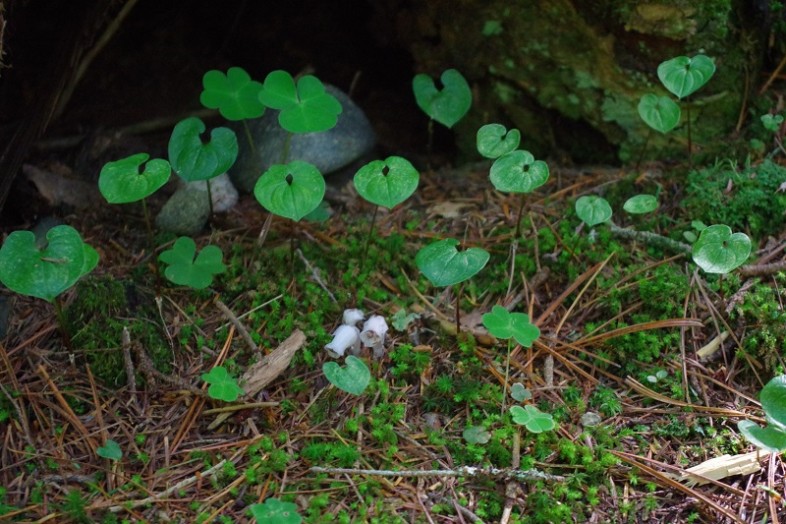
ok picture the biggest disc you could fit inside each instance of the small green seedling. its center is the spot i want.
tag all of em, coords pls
(520, 393)
(45, 271)
(385, 183)
(691, 236)
(593, 210)
(773, 402)
(719, 251)
(773, 123)
(661, 113)
(194, 160)
(121, 182)
(235, 96)
(446, 106)
(110, 450)
(640, 204)
(532, 418)
(186, 270)
(223, 386)
(401, 319)
(476, 435)
(275, 511)
(445, 265)
(290, 190)
(660, 375)
(494, 140)
(305, 107)
(352, 378)
(503, 324)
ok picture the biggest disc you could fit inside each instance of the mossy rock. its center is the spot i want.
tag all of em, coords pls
(570, 75)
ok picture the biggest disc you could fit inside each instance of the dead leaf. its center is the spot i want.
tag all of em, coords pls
(449, 209)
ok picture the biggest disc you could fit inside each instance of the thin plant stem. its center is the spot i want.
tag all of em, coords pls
(292, 255)
(458, 308)
(507, 377)
(249, 138)
(430, 142)
(148, 225)
(690, 145)
(518, 216)
(210, 198)
(285, 149)
(61, 322)
(368, 238)
(643, 150)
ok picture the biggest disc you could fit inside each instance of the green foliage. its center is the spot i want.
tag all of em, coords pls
(75, 506)
(290, 190)
(520, 393)
(352, 378)
(771, 122)
(518, 172)
(121, 182)
(407, 362)
(110, 450)
(717, 250)
(749, 199)
(503, 324)
(684, 76)
(387, 182)
(532, 418)
(223, 386)
(305, 107)
(234, 94)
(194, 160)
(45, 271)
(275, 511)
(476, 435)
(185, 270)
(640, 204)
(447, 106)
(444, 265)
(773, 402)
(494, 140)
(325, 453)
(593, 210)
(661, 113)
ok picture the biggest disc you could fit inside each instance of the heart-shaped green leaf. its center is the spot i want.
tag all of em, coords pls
(447, 106)
(352, 378)
(532, 418)
(444, 265)
(387, 183)
(234, 94)
(593, 210)
(503, 324)
(494, 140)
(518, 172)
(476, 435)
(305, 108)
(519, 392)
(192, 160)
(772, 122)
(683, 76)
(184, 270)
(768, 438)
(661, 113)
(121, 182)
(223, 386)
(773, 401)
(275, 511)
(45, 272)
(110, 450)
(290, 190)
(640, 204)
(717, 250)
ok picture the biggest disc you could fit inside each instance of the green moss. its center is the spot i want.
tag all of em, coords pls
(751, 199)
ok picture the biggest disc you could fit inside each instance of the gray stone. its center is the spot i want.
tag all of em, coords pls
(185, 213)
(351, 138)
(222, 192)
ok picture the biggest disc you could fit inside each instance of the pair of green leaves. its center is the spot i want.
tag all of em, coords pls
(222, 385)
(186, 268)
(448, 105)
(290, 190)
(773, 401)
(387, 182)
(718, 250)
(275, 511)
(514, 170)
(121, 181)
(503, 324)
(305, 106)
(594, 210)
(45, 271)
(353, 377)
(444, 265)
(682, 76)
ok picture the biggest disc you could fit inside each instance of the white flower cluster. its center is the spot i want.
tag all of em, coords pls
(347, 336)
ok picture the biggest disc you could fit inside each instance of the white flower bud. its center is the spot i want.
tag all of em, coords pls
(344, 337)
(373, 334)
(353, 316)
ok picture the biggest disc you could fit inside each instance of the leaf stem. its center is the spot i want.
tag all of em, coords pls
(210, 198)
(368, 238)
(61, 322)
(458, 309)
(248, 136)
(507, 376)
(285, 150)
(643, 150)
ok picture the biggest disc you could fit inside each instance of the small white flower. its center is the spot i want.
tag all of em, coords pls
(353, 316)
(344, 337)
(373, 334)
